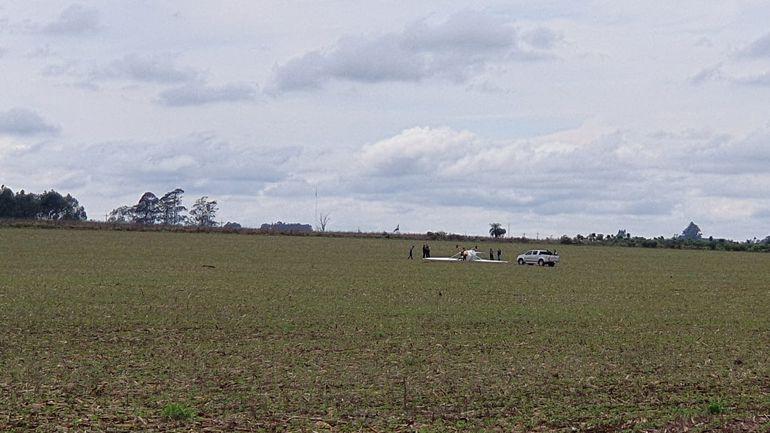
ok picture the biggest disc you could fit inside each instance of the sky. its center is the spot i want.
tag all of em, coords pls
(550, 117)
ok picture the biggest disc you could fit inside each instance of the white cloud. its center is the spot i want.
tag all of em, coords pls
(543, 38)
(456, 49)
(74, 20)
(760, 48)
(576, 173)
(199, 93)
(416, 151)
(718, 74)
(746, 67)
(760, 79)
(9, 146)
(712, 73)
(495, 84)
(20, 121)
(145, 68)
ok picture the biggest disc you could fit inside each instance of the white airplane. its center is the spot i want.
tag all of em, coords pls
(470, 256)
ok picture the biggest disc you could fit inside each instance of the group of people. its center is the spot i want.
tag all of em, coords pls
(499, 254)
(425, 251)
(464, 252)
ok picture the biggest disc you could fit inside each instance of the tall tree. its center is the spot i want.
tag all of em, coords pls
(123, 215)
(172, 210)
(496, 230)
(323, 221)
(52, 206)
(203, 212)
(7, 202)
(691, 232)
(147, 210)
(74, 210)
(27, 205)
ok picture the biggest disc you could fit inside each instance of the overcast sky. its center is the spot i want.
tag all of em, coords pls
(552, 116)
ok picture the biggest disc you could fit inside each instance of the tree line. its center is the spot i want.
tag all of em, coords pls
(168, 210)
(48, 205)
(690, 238)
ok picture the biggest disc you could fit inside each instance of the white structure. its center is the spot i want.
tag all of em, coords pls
(466, 256)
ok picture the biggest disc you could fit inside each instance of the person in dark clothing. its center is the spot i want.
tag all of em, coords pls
(499, 254)
(427, 250)
(491, 254)
(424, 253)
(411, 248)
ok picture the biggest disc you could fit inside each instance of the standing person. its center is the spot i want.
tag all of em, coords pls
(411, 248)
(423, 251)
(491, 254)
(499, 254)
(427, 249)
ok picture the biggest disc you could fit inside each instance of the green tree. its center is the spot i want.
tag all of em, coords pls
(7, 203)
(73, 210)
(122, 215)
(496, 230)
(203, 212)
(50, 205)
(171, 209)
(147, 210)
(691, 232)
(27, 205)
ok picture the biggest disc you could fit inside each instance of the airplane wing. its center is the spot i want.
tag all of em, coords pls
(456, 260)
(488, 261)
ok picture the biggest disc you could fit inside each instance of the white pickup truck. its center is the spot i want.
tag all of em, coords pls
(538, 257)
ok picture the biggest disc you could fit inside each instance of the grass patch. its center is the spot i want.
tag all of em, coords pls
(300, 330)
(716, 408)
(178, 412)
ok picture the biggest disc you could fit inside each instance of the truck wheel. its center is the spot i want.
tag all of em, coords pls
(541, 262)
(521, 261)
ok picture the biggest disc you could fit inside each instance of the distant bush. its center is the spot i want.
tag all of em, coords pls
(436, 236)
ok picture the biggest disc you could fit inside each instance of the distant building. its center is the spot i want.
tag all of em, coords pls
(281, 227)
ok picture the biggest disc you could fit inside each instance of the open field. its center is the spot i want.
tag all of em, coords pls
(101, 330)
